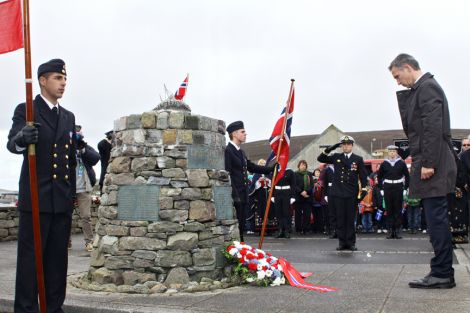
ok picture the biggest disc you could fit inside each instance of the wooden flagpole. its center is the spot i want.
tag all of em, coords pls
(32, 162)
(281, 140)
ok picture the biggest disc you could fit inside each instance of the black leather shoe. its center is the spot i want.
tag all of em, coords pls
(287, 235)
(333, 236)
(353, 248)
(341, 248)
(431, 282)
(280, 235)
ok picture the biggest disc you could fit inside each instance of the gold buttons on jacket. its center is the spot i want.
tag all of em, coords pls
(55, 155)
(55, 165)
(55, 145)
(66, 176)
(54, 176)
(66, 146)
(66, 156)
(66, 165)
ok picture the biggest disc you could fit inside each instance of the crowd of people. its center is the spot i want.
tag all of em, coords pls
(337, 198)
(310, 211)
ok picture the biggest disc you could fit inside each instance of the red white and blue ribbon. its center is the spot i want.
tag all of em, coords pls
(296, 279)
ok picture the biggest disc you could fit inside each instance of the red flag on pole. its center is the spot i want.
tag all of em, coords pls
(278, 131)
(181, 92)
(11, 26)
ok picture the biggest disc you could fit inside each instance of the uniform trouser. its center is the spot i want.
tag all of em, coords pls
(393, 197)
(282, 204)
(332, 214)
(55, 230)
(304, 209)
(84, 209)
(441, 239)
(345, 220)
(240, 208)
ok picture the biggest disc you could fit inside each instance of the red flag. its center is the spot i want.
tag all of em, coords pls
(11, 30)
(181, 92)
(274, 141)
(296, 279)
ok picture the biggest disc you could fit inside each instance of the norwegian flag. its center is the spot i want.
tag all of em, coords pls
(275, 139)
(181, 92)
(11, 26)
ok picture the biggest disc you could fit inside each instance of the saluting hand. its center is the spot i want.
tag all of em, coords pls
(426, 173)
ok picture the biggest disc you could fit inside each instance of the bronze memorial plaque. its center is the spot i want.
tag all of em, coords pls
(223, 202)
(138, 203)
(201, 156)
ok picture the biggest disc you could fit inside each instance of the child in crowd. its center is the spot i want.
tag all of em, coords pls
(414, 214)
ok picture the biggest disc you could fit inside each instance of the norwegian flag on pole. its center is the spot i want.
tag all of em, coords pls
(11, 26)
(181, 92)
(275, 139)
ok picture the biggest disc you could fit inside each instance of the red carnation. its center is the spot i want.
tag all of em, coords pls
(252, 266)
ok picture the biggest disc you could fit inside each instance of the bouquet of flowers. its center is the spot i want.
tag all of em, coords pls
(254, 265)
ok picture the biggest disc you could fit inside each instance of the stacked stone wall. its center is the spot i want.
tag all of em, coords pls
(9, 221)
(185, 243)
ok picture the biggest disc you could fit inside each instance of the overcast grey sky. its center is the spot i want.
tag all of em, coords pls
(240, 56)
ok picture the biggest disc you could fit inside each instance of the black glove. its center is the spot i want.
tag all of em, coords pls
(275, 165)
(333, 147)
(27, 135)
(81, 144)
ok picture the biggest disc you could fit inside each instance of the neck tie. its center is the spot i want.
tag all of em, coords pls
(55, 115)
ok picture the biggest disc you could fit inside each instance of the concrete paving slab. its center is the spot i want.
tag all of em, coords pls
(397, 305)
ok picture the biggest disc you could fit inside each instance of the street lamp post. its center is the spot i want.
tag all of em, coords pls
(372, 145)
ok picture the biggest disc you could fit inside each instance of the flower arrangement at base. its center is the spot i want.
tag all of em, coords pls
(255, 266)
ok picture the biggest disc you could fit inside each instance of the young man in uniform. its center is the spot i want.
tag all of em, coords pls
(349, 170)
(237, 164)
(425, 117)
(393, 178)
(104, 148)
(54, 137)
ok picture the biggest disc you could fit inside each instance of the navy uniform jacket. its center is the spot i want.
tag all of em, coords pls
(289, 179)
(393, 172)
(55, 158)
(347, 174)
(238, 166)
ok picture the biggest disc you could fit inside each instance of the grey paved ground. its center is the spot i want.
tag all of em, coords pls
(373, 279)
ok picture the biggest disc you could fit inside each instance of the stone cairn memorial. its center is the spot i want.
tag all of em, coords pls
(166, 211)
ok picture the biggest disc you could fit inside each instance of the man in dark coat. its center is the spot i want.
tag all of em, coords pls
(426, 122)
(55, 157)
(104, 148)
(393, 178)
(237, 164)
(349, 170)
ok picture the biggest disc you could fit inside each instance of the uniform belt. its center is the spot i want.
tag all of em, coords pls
(391, 181)
(282, 187)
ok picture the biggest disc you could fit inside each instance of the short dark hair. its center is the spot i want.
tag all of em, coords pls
(403, 59)
(230, 136)
(302, 162)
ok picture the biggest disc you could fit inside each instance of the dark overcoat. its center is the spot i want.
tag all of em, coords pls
(55, 159)
(425, 117)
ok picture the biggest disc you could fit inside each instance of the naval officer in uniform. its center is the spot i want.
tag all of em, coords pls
(349, 171)
(237, 164)
(54, 137)
(393, 178)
